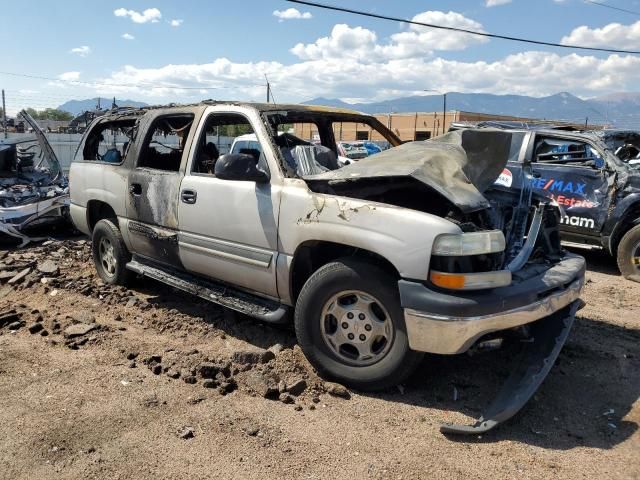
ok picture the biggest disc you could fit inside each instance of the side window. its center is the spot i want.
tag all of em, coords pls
(225, 133)
(109, 141)
(165, 142)
(566, 152)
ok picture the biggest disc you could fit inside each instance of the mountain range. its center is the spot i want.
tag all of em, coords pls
(75, 107)
(617, 110)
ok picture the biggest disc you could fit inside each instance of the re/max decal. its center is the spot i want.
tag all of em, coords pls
(559, 186)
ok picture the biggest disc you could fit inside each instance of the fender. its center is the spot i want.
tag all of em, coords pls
(615, 220)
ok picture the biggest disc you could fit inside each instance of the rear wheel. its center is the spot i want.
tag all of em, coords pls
(629, 254)
(350, 325)
(110, 254)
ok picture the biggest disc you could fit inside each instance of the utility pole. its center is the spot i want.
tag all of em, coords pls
(4, 115)
(586, 123)
(444, 110)
(268, 88)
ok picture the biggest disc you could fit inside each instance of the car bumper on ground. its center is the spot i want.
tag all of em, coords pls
(451, 322)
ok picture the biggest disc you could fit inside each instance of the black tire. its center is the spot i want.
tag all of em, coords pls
(353, 275)
(113, 273)
(629, 253)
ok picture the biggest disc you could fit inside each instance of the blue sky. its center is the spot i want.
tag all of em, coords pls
(232, 45)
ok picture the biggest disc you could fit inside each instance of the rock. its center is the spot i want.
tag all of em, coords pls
(276, 349)
(209, 383)
(7, 275)
(171, 373)
(208, 370)
(35, 328)
(20, 276)
(286, 398)
(298, 408)
(44, 333)
(8, 317)
(337, 390)
(16, 325)
(252, 357)
(227, 387)
(282, 387)
(251, 430)
(297, 387)
(152, 359)
(79, 329)
(190, 379)
(83, 317)
(156, 368)
(48, 267)
(133, 301)
(264, 385)
(315, 399)
(132, 355)
(186, 433)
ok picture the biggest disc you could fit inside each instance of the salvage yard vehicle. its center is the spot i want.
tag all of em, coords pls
(408, 251)
(595, 178)
(33, 188)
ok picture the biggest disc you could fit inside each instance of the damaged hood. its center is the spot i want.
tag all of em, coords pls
(459, 165)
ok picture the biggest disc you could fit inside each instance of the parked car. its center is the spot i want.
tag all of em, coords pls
(372, 148)
(352, 150)
(595, 178)
(409, 251)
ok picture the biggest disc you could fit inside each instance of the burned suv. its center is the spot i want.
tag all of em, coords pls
(408, 251)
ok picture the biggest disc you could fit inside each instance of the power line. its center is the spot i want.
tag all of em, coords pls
(461, 30)
(128, 85)
(600, 4)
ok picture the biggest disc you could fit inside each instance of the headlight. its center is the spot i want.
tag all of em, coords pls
(471, 281)
(473, 243)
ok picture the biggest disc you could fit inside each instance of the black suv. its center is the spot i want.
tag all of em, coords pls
(594, 176)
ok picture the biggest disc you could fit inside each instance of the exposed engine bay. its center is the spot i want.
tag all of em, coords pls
(33, 189)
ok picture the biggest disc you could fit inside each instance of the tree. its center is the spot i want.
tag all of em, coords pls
(49, 114)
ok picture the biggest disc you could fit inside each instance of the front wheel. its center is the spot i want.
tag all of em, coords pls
(350, 325)
(629, 254)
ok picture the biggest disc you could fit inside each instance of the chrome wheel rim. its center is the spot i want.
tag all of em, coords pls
(356, 327)
(107, 256)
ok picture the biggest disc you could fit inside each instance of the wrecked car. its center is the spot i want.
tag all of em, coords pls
(33, 188)
(594, 176)
(409, 251)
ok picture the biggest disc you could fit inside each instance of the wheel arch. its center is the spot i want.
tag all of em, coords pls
(313, 254)
(629, 219)
(98, 210)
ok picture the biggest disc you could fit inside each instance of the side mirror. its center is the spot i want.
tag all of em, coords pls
(240, 166)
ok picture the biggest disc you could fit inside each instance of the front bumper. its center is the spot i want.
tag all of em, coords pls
(451, 322)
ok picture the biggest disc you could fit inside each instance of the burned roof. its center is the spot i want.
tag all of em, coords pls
(261, 107)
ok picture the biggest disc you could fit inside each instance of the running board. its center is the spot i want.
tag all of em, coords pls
(248, 304)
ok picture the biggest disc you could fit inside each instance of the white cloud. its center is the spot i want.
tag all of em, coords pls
(176, 22)
(496, 3)
(614, 35)
(83, 51)
(417, 41)
(292, 14)
(128, 36)
(351, 62)
(69, 76)
(152, 15)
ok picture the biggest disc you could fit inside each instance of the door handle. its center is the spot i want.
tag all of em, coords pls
(135, 189)
(189, 196)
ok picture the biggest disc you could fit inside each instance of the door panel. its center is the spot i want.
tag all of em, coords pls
(152, 208)
(230, 232)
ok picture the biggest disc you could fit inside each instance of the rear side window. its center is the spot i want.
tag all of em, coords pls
(165, 142)
(109, 141)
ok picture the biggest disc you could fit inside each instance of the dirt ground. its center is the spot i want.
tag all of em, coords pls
(117, 388)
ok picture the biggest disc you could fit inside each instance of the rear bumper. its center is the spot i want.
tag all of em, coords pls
(450, 323)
